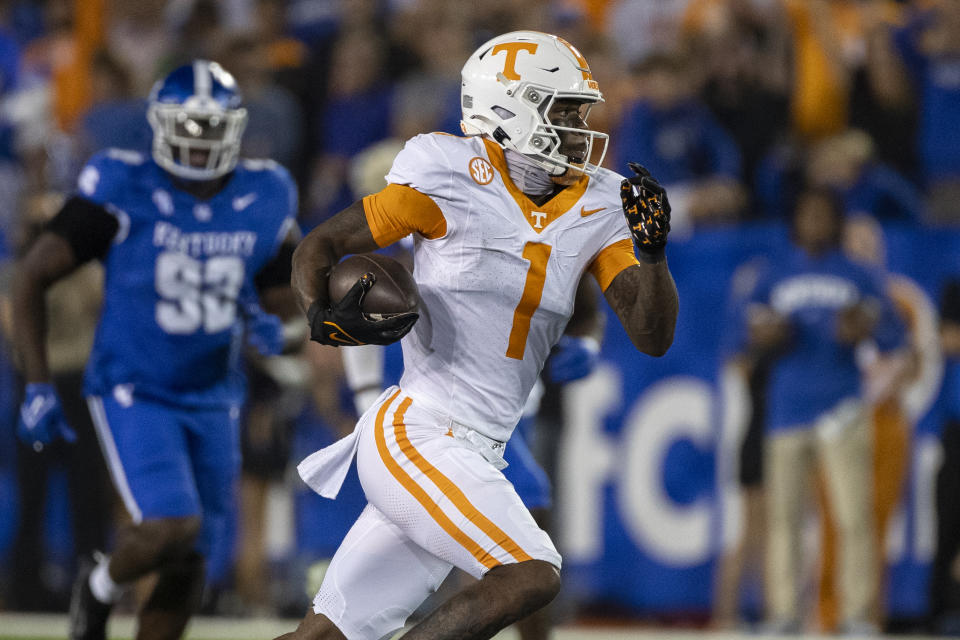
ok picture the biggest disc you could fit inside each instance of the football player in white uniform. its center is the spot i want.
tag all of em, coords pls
(506, 221)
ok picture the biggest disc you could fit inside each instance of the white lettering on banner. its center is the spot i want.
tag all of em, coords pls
(674, 534)
(632, 461)
(586, 459)
(927, 460)
(672, 409)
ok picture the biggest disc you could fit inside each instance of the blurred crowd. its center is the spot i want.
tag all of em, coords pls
(736, 106)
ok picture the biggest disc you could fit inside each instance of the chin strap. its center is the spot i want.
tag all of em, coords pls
(529, 176)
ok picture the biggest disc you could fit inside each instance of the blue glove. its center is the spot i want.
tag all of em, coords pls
(572, 358)
(264, 331)
(41, 418)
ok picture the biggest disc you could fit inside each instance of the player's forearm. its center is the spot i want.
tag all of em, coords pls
(345, 233)
(30, 327)
(312, 261)
(49, 259)
(644, 297)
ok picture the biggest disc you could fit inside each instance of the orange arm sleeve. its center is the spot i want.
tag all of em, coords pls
(611, 260)
(398, 211)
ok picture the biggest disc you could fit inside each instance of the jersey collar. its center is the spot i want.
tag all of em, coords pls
(537, 216)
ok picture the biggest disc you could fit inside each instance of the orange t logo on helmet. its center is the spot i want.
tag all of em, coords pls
(512, 49)
(584, 67)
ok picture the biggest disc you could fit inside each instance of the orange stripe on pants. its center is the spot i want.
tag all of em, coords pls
(452, 491)
(419, 494)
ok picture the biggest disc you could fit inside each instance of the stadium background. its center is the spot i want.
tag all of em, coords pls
(644, 451)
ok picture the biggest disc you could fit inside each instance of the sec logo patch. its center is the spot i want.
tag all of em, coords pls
(480, 170)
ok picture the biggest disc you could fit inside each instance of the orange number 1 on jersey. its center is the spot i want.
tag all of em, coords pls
(538, 254)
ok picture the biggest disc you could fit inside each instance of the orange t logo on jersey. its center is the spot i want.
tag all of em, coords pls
(512, 49)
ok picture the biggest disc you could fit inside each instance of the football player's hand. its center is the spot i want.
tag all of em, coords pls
(41, 418)
(264, 331)
(647, 210)
(344, 323)
(572, 358)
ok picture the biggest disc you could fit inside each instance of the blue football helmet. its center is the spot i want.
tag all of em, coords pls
(197, 121)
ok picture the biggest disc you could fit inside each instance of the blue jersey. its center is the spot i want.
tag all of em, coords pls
(816, 371)
(936, 81)
(171, 325)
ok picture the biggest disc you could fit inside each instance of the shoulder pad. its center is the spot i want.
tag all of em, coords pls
(269, 171)
(607, 183)
(259, 164)
(106, 171)
(424, 163)
(272, 181)
(438, 140)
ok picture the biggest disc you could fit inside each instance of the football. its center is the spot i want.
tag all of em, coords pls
(394, 290)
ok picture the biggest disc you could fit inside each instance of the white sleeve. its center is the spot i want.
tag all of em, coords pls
(423, 165)
(363, 367)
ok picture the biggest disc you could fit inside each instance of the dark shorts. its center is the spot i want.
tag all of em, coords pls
(751, 451)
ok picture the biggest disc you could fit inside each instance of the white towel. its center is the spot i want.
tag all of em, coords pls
(325, 470)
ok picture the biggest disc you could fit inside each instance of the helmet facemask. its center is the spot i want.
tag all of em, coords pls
(545, 145)
(196, 142)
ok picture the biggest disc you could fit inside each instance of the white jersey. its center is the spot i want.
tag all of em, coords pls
(497, 273)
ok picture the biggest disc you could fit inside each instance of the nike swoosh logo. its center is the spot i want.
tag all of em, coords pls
(339, 335)
(242, 202)
(584, 212)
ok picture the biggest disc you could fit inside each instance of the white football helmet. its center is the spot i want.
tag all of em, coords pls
(508, 86)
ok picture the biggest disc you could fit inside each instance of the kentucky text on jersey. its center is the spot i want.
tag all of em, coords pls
(203, 243)
(813, 291)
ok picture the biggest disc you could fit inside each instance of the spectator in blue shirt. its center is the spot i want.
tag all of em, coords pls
(682, 143)
(810, 311)
(116, 117)
(929, 46)
(356, 115)
(846, 164)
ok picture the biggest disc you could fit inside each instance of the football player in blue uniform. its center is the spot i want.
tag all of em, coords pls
(188, 239)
